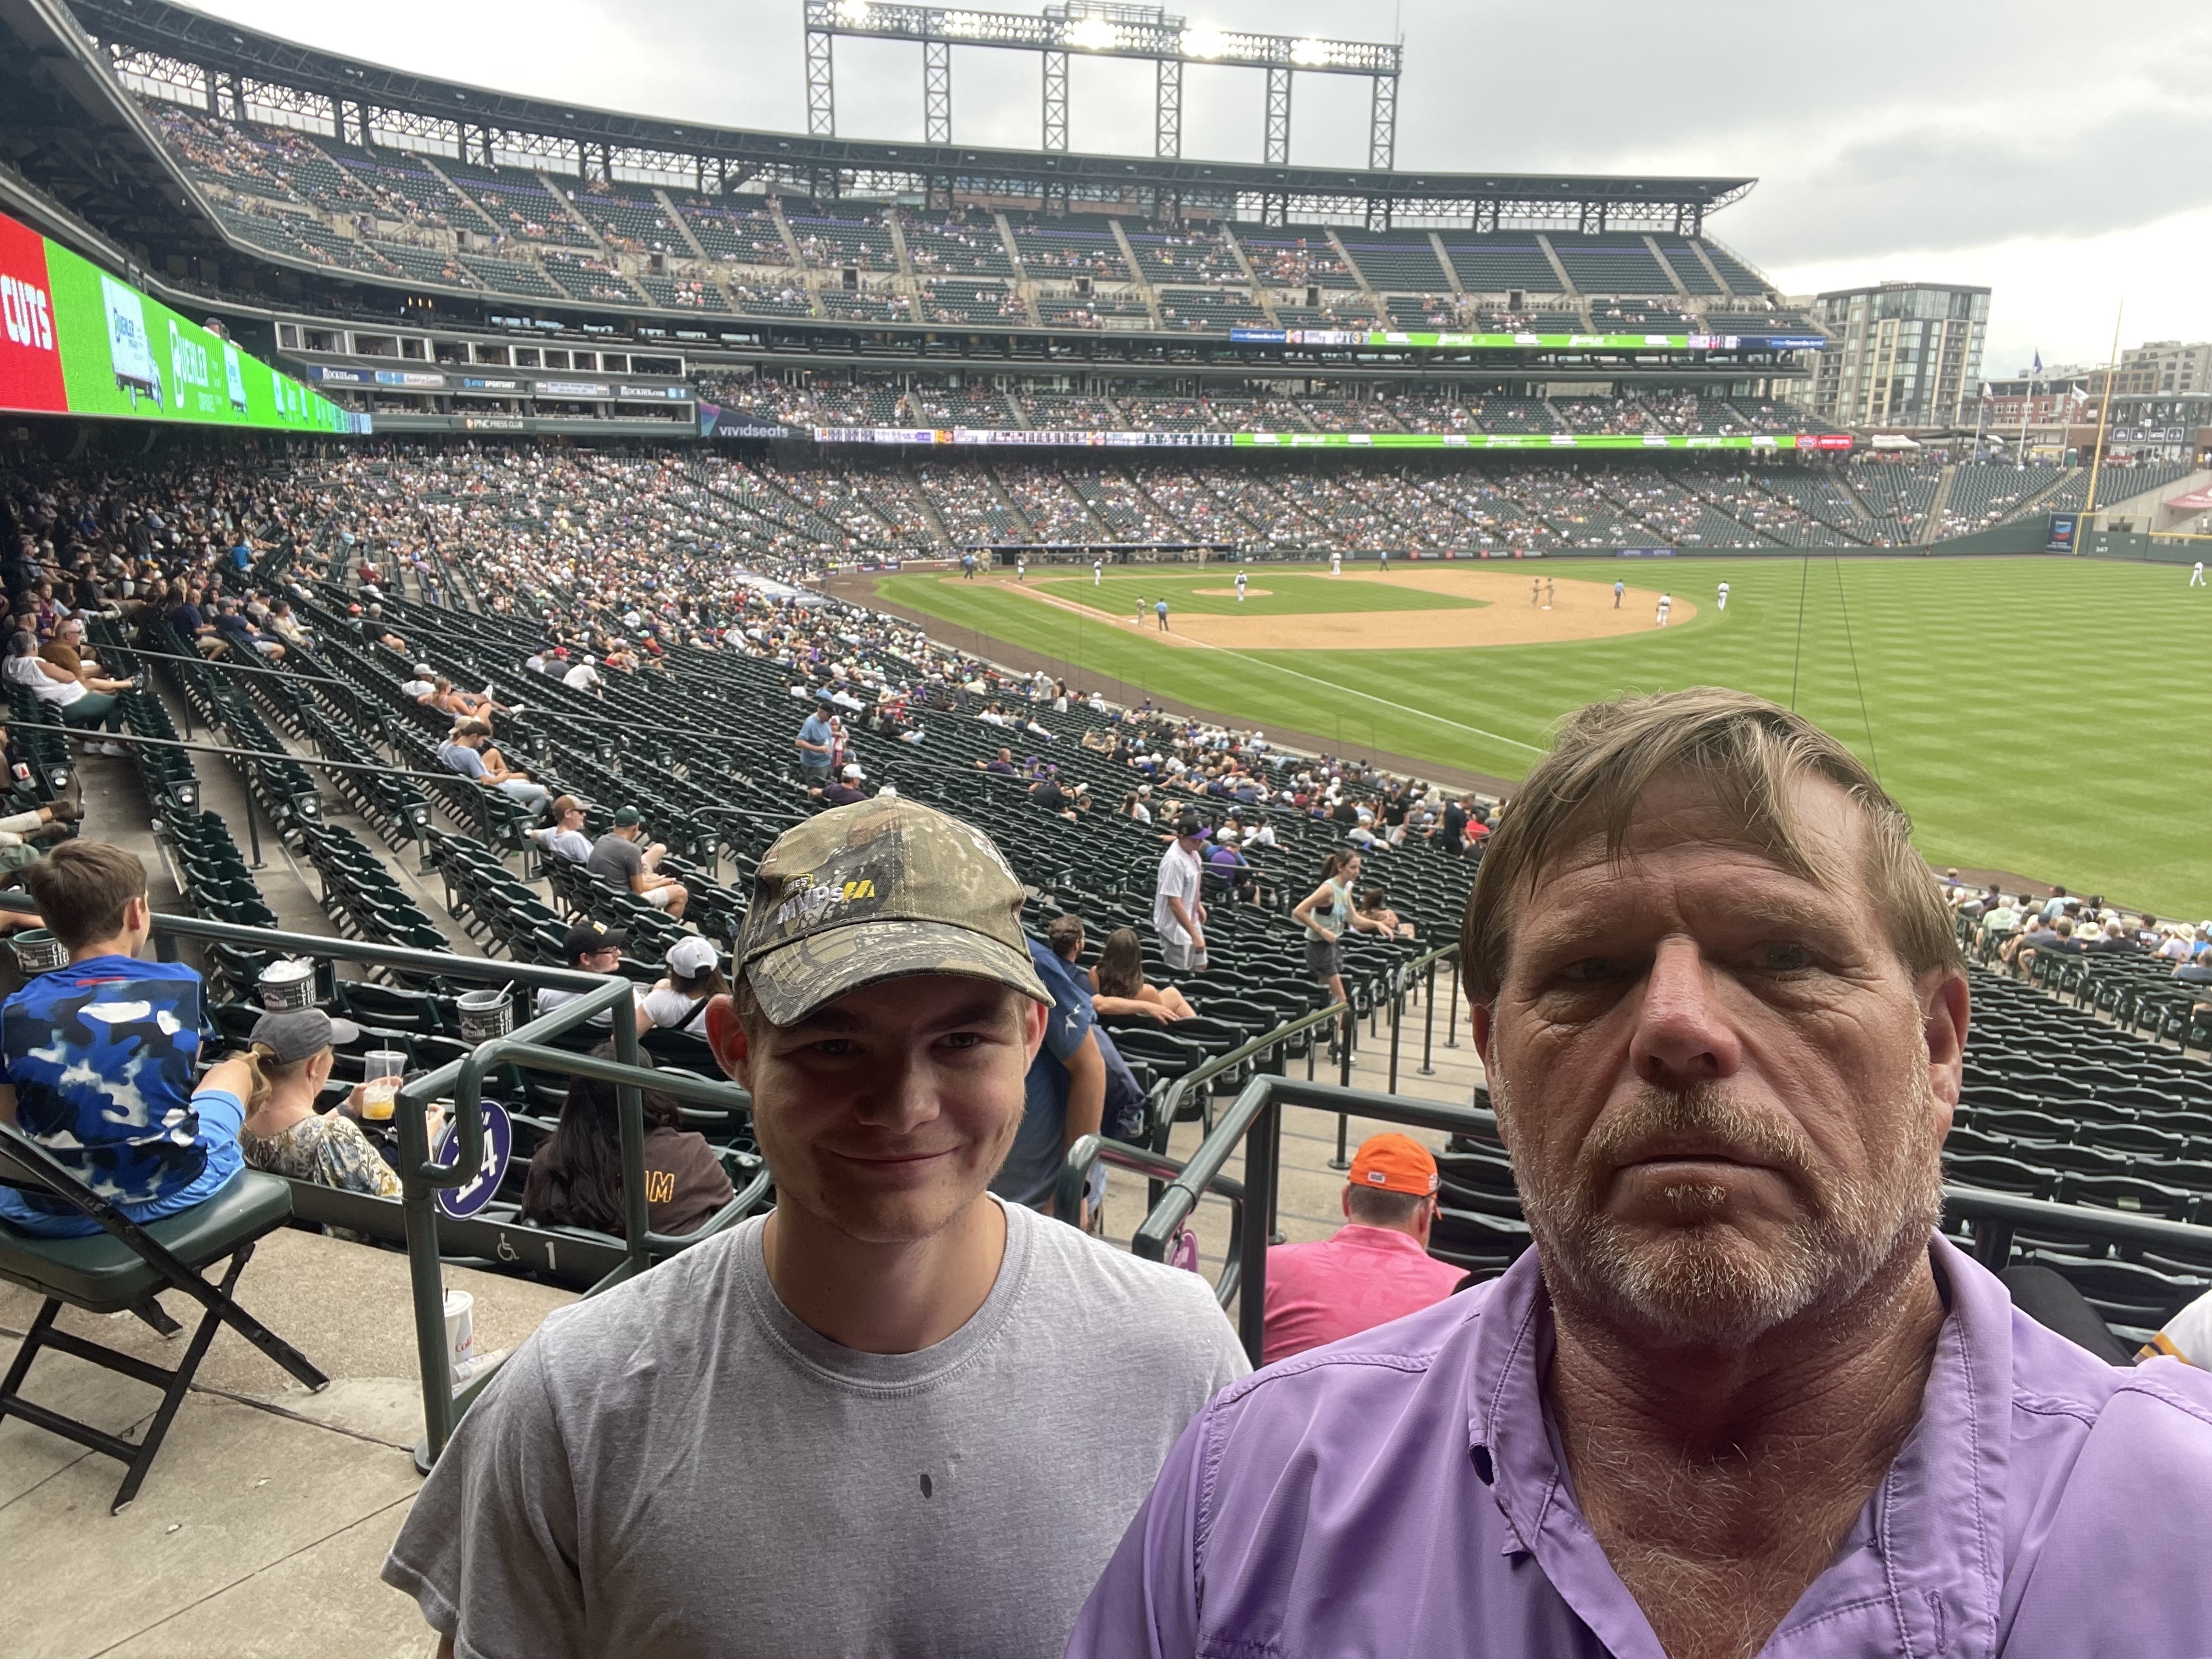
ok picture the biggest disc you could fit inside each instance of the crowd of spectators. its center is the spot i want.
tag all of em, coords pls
(2019, 928)
(401, 214)
(862, 399)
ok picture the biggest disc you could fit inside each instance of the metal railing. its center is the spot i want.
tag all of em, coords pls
(1994, 1216)
(1158, 1169)
(1265, 1054)
(1401, 978)
(421, 1178)
(1254, 1122)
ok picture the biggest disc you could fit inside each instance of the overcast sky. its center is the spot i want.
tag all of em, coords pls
(2056, 152)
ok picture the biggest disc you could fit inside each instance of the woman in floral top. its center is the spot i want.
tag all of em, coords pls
(279, 1078)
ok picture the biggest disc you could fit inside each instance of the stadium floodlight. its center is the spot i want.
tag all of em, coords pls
(1100, 28)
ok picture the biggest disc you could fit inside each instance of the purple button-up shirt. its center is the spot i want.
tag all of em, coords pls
(1403, 1492)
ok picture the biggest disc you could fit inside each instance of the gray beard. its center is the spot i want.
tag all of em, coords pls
(1703, 1284)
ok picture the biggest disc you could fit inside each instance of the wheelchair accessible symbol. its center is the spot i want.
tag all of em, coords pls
(499, 1147)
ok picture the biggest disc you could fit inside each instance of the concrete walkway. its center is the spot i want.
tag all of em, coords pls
(261, 1526)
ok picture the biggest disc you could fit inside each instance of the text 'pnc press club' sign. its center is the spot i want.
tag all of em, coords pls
(75, 341)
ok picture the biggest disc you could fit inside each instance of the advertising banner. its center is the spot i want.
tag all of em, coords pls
(1026, 437)
(1647, 441)
(75, 341)
(1423, 340)
(30, 348)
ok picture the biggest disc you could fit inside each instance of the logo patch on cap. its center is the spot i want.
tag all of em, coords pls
(808, 903)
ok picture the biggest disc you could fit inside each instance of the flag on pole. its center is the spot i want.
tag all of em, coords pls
(2038, 369)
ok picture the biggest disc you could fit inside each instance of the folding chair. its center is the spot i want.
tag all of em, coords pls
(121, 1269)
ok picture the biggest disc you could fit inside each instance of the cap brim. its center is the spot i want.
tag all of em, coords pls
(343, 1032)
(794, 980)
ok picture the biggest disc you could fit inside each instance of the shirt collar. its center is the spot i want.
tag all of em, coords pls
(1379, 1238)
(1929, 1543)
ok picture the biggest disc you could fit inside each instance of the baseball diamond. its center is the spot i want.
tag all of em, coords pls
(2008, 757)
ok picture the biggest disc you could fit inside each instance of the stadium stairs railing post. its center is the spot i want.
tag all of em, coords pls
(420, 1178)
(1429, 1022)
(1397, 1018)
(1264, 1052)
(1451, 1008)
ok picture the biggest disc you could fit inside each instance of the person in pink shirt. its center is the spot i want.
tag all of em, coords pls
(1376, 1269)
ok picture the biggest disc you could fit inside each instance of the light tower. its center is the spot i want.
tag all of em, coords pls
(1101, 28)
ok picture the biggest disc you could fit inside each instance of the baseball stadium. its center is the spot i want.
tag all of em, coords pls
(679, 791)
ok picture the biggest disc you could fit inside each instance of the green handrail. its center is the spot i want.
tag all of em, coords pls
(2004, 1211)
(1401, 977)
(1255, 1121)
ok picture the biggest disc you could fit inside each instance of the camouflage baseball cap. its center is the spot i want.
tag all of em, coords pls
(883, 889)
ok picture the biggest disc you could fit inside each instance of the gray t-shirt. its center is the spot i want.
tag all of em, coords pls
(616, 859)
(681, 1467)
(571, 844)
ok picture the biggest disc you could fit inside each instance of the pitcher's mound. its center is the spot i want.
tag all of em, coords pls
(1231, 592)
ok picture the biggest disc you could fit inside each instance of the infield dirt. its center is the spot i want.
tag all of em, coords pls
(1579, 610)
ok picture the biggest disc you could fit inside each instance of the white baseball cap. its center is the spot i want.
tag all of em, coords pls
(853, 771)
(692, 956)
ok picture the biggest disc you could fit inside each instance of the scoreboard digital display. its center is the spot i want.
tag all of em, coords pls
(75, 340)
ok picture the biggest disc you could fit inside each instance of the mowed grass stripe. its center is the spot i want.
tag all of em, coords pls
(2045, 715)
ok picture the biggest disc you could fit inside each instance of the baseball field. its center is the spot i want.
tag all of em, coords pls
(2049, 716)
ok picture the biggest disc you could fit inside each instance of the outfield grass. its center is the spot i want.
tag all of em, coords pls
(1288, 593)
(2051, 716)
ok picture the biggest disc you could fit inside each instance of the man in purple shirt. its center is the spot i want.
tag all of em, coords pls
(1740, 1398)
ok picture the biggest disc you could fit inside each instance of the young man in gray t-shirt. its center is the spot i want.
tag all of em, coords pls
(893, 1417)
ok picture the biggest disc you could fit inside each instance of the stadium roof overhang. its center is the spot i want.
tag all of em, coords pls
(76, 139)
(832, 165)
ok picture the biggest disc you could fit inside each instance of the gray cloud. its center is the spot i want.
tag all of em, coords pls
(1939, 186)
(1891, 128)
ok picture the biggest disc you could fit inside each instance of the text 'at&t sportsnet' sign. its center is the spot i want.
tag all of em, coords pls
(30, 348)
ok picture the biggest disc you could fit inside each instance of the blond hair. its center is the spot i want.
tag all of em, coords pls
(263, 1070)
(1749, 753)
